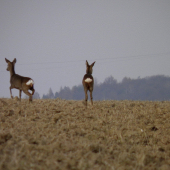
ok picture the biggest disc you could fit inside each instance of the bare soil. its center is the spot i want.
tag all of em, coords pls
(64, 134)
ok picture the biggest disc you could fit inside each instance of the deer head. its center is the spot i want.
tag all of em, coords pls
(11, 65)
(89, 68)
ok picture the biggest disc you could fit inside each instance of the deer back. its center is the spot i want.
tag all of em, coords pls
(18, 81)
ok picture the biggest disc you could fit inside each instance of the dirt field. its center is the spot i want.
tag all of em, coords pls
(60, 134)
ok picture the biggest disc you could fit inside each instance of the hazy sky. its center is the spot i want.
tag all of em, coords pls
(51, 39)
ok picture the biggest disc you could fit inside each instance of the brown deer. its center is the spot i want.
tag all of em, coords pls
(19, 82)
(88, 82)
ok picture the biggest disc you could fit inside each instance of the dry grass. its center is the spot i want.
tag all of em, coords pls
(61, 134)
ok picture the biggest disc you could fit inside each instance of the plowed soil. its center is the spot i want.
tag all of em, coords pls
(64, 134)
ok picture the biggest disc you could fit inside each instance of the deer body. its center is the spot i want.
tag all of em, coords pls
(19, 82)
(88, 82)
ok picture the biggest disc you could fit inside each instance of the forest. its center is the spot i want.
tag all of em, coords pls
(153, 88)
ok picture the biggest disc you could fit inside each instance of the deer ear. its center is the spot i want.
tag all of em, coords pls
(7, 60)
(14, 61)
(92, 64)
(87, 64)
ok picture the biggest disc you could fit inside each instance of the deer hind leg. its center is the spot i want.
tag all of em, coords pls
(32, 89)
(11, 92)
(29, 94)
(33, 92)
(86, 97)
(91, 97)
(20, 91)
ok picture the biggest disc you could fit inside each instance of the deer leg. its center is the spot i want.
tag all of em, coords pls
(20, 91)
(11, 92)
(86, 96)
(91, 97)
(33, 92)
(29, 94)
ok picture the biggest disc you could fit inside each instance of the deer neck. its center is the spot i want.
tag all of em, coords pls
(12, 71)
(88, 71)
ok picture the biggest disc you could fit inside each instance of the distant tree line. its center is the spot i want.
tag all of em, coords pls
(149, 88)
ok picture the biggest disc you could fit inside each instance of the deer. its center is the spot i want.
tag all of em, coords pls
(19, 82)
(88, 82)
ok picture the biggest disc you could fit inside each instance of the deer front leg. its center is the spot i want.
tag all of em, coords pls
(20, 91)
(91, 97)
(11, 92)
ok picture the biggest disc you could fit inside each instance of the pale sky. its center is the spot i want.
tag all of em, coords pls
(52, 39)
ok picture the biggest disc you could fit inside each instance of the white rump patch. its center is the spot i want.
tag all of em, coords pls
(88, 80)
(30, 82)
